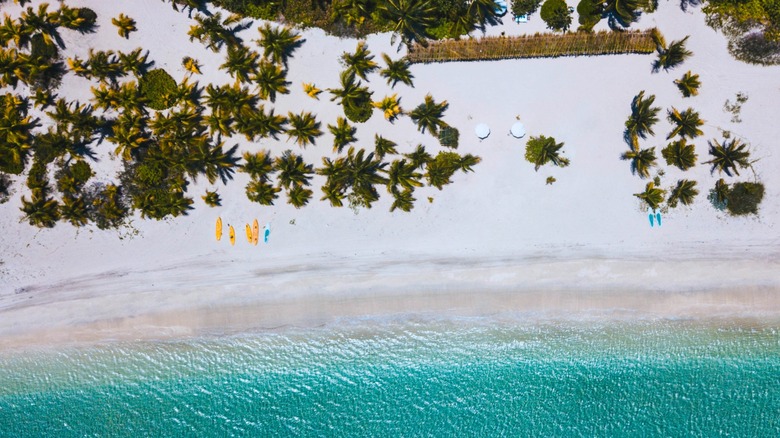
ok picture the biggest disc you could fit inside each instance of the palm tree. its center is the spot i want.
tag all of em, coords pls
(343, 134)
(390, 107)
(671, 57)
(124, 25)
(217, 98)
(259, 165)
(402, 200)
(271, 79)
(720, 193)
(687, 123)
(363, 174)
(262, 192)
(15, 133)
(688, 84)
(215, 32)
(74, 210)
(420, 157)
(729, 156)
(643, 115)
(190, 5)
(401, 173)
(241, 63)
(41, 211)
(482, 12)
(383, 146)
(270, 124)
(191, 65)
(16, 31)
(304, 128)
(361, 62)
(641, 161)
(220, 123)
(684, 192)
(278, 43)
(135, 62)
(412, 18)
(129, 135)
(652, 195)
(679, 153)
(351, 91)
(299, 196)
(293, 171)
(542, 150)
(428, 115)
(213, 161)
(333, 193)
(42, 22)
(622, 12)
(311, 90)
(397, 71)
(212, 198)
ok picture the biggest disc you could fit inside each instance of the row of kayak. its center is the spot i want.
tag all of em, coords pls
(252, 232)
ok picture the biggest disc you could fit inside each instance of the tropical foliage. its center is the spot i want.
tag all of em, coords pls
(621, 13)
(680, 154)
(729, 156)
(542, 150)
(155, 86)
(670, 56)
(642, 160)
(643, 116)
(686, 123)
(124, 25)
(652, 196)
(688, 84)
(556, 14)
(684, 192)
(361, 62)
(752, 27)
(396, 71)
(428, 115)
(744, 197)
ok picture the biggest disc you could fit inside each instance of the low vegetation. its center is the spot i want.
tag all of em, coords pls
(535, 46)
(542, 150)
(156, 86)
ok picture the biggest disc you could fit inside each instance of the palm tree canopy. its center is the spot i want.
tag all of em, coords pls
(680, 154)
(396, 71)
(641, 161)
(412, 18)
(361, 62)
(428, 115)
(278, 42)
(686, 123)
(729, 156)
(643, 115)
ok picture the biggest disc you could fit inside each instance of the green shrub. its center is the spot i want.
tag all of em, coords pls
(743, 198)
(89, 16)
(556, 14)
(212, 199)
(525, 7)
(589, 12)
(5, 187)
(358, 111)
(449, 136)
(155, 85)
(40, 50)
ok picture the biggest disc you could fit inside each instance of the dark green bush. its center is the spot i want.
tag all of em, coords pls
(89, 16)
(743, 198)
(449, 136)
(556, 14)
(38, 178)
(358, 111)
(42, 51)
(155, 85)
(525, 7)
(589, 12)
(5, 187)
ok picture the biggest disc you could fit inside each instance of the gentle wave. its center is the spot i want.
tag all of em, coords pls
(408, 378)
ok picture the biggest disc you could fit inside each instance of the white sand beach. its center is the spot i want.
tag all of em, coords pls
(497, 241)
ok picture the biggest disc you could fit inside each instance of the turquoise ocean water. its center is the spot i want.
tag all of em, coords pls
(442, 378)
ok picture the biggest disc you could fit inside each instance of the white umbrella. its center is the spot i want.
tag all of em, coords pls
(518, 130)
(482, 130)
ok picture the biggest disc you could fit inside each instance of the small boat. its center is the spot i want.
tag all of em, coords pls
(658, 218)
(232, 234)
(651, 216)
(266, 232)
(248, 233)
(219, 229)
(255, 232)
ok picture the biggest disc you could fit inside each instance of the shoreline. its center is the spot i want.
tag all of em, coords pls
(521, 291)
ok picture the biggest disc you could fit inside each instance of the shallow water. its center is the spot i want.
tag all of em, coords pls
(404, 378)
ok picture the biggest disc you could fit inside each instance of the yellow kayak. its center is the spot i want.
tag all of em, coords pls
(255, 232)
(219, 229)
(232, 235)
(248, 233)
